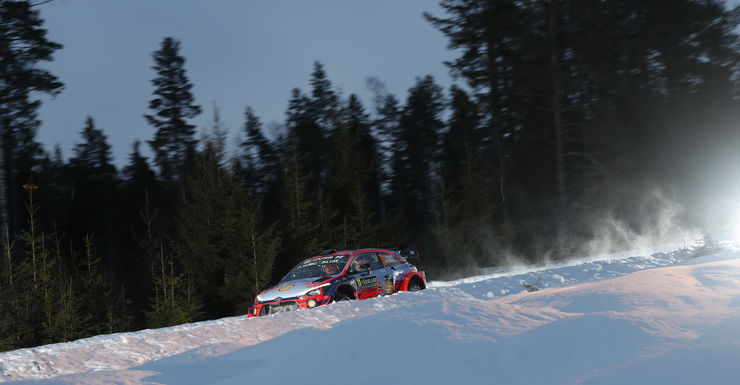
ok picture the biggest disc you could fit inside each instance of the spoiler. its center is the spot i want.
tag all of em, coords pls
(407, 251)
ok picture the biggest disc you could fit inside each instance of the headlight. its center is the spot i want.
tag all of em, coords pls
(313, 293)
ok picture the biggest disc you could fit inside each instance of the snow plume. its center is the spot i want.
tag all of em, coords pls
(653, 222)
(633, 220)
(487, 248)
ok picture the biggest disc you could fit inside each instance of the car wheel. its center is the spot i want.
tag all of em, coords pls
(413, 286)
(339, 296)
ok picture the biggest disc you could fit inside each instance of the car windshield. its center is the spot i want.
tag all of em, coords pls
(317, 267)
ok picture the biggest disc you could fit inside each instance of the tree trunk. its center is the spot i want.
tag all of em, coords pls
(557, 96)
(493, 102)
(256, 272)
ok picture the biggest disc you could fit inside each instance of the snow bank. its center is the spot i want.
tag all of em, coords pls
(657, 317)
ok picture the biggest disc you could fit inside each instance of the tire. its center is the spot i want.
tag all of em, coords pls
(414, 286)
(339, 296)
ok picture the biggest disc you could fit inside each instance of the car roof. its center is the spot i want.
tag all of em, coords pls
(335, 253)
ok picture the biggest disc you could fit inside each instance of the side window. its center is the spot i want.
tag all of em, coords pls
(369, 258)
(390, 259)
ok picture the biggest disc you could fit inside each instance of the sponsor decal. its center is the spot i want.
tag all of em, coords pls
(389, 287)
(369, 281)
(286, 287)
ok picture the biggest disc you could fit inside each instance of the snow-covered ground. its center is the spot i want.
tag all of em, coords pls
(668, 318)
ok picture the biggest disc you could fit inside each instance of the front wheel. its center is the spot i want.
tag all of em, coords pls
(414, 286)
(339, 296)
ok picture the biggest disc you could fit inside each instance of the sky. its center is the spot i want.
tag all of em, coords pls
(238, 53)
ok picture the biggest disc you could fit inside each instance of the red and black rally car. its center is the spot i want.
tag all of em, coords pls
(342, 275)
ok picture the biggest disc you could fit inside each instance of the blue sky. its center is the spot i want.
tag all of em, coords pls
(238, 53)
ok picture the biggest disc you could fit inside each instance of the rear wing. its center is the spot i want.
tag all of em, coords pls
(407, 251)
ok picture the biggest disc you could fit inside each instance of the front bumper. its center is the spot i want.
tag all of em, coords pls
(286, 305)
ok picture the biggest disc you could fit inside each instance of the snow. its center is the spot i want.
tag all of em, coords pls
(666, 318)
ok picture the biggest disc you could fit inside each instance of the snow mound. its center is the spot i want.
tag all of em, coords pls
(667, 315)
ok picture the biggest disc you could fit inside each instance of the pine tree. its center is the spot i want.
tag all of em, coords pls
(464, 209)
(299, 221)
(24, 46)
(310, 121)
(171, 108)
(173, 299)
(416, 145)
(73, 323)
(324, 101)
(37, 295)
(94, 204)
(140, 179)
(260, 158)
(139, 189)
(308, 137)
(9, 289)
(579, 95)
(354, 189)
(226, 249)
(385, 132)
(488, 34)
(94, 288)
(173, 302)
(93, 154)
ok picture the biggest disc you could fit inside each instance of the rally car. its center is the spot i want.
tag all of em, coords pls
(342, 275)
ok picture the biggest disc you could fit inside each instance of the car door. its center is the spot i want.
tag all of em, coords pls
(368, 282)
(392, 273)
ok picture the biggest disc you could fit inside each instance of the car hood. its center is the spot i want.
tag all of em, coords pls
(291, 289)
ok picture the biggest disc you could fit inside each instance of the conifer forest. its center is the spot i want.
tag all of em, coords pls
(567, 117)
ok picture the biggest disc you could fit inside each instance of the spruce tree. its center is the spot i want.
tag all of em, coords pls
(226, 248)
(310, 121)
(308, 136)
(302, 237)
(385, 131)
(93, 154)
(24, 46)
(324, 101)
(140, 179)
(173, 299)
(464, 209)
(94, 204)
(139, 189)
(259, 156)
(8, 290)
(416, 145)
(488, 35)
(173, 105)
(354, 189)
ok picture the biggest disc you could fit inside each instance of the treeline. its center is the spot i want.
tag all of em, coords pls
(569, 112)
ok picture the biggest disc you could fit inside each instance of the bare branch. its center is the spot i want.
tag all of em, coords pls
(41, 2)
